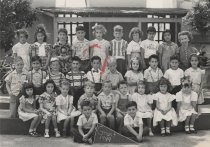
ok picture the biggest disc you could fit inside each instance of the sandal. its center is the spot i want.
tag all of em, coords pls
(32, 134)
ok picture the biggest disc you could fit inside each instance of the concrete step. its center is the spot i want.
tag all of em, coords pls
(4, 102)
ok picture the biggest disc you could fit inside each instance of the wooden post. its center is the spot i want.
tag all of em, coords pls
(55, 28)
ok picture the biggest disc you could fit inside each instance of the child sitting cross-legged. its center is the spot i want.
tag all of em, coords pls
(86, 124)
(106, 105)
(133, 125)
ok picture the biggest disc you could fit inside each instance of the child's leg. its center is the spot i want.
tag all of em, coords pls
(54, 121)
(13, 106)
(111, 122)
(168, 127)
(149, 123)
(77, 136)
(187, 122)
(192, 122)
(162, 127)
(47, 125)
(119, 122)
(103, 119)
(33, 124)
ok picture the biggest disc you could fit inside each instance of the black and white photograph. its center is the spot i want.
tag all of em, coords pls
(105, 73)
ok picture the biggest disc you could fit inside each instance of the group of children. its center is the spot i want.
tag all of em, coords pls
(113, 83)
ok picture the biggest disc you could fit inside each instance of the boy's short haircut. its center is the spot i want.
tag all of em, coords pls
(95, 58)
(36, 58)
(63, 30)
(76, 58)
(151, 29)
(18, 59)
(80, 28)
(174, 57)
(53, 59)
(64, 82)
(122, 83)
(118, 28)
(153, 57)
(22, 31)
(131, 104)
(85, 103)
(107, 82)
(134, 31)
(89, 84)
(112, 59)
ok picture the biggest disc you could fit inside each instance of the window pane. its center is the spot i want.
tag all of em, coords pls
(160, 42)
(68, 28)
(149, 16)
(74, 15)
(74, 28)
(160, 35)
(69, 39)
(156, 37)
(156, 26)
(161, 27)
(167, 16)
(60, 15)
(67, 15)
(73, 37)
(149, 24)
(167, 25)
(155, 16)
(60, 25)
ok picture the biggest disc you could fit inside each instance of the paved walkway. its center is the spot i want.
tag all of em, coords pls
(202, 139)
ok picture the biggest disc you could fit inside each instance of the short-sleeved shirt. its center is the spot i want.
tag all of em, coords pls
(152, 76)
(23, 51)
(150, 47)
(81, 48)
(136, 122)
(76, 79)
(47, 100)
(16, 81)
(57, 78)
(118, 48)
(185, 54)
(64, 102)
(134, 77)
(164, 100)
(87, 123)
(37, 77)
(134, 49)
(142, 101)
(106, 100)
(186, 99)
(93, 100)
(174, 76)
(115, 78)
(94, 76)
(195, 75)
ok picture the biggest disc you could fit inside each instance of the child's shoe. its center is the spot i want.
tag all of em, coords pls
(32, 134)
(187, 130)
(90, 141)
(163, 132)
(168, 131)
(64, 133)
(192, 129)
(46, 135)
(37, 134)
(57, 134)
(150, 132)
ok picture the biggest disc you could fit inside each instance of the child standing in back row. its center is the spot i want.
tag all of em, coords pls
(118, 49)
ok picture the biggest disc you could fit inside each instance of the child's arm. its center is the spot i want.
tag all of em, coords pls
(158, 106)
(142, 57)
(140, 132)
(70, 110)
(112, 110)
(131, 130)
(194, 104)
(100, 109)
(8, 84)
(116, 102)
(42, 106)
(81, 131)
(129, 60)
(178, 108)
(91, 130)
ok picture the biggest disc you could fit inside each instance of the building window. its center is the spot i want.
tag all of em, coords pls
(159, 26)
(70, 27)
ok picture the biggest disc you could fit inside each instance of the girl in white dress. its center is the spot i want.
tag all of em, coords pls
(187, 105)
(144, 104)
(164, 113)
(134, 75)
(196, 76)
(65, 108)
(27, 109)
(47, 106)
(99, 46)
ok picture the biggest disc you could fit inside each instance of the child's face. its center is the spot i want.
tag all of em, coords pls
(136, 37)
(75, 65)
(174, 64)
(96, 64)
(163, 88)
(80, 35)
(141, 89)
(40, 37)
(112, 66)
(132, 111)
(194, 62)
(86, 110)
(151, 35)
(22, 38)
(29, 91)
(49, 88)
(186, 88)
(63, 52)
(19, 65)
(64, 90)
(62, 37)
(99, 34)
(123, 88)
(36, 65)
(153, 63)
(135, 65)
(184, 39)
(89, 90)
(167, 37)
(107, 87)
(55, 66)
(118, 35)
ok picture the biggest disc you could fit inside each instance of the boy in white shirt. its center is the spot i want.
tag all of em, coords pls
(149, 46)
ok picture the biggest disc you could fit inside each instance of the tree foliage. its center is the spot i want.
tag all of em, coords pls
(15, 14)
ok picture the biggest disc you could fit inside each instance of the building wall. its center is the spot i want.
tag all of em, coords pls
(43, 3)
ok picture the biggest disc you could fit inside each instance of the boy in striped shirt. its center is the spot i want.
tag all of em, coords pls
(118, 48)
